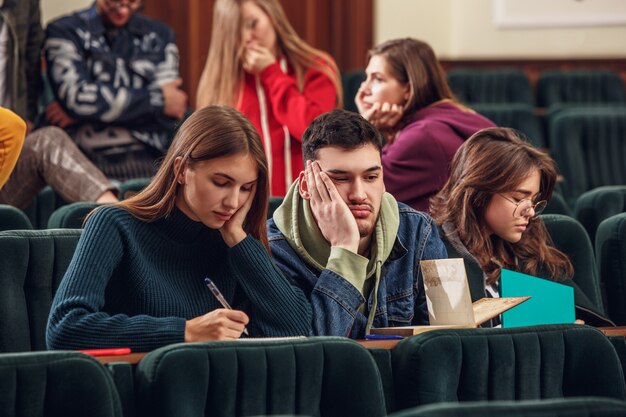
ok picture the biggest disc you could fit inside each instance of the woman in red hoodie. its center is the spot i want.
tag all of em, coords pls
(406, 96)
(258, 64)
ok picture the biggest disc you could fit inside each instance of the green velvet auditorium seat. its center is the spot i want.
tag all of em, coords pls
(580, 87)
(131, 187)
(515, 115)
(71, 216)
(12, 218)
(321, 376)
(350, 82)
(557, 205)
(482, 85)
(611, 255)
(274, 203)
(558, 407)
(589, 147)
(523, 363)
(32, 265)
(599, 204)
(68, 384)
(570, 237)
(42, 207)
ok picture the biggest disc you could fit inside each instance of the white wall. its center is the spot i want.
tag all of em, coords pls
(464, 29)
(51, 9)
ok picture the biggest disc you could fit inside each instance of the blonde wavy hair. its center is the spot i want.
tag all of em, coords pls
(223, 71)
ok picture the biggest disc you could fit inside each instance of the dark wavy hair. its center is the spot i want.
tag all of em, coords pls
(495, 161)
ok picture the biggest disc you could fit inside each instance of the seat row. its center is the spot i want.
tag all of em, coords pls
(442, 373)
(511, 86)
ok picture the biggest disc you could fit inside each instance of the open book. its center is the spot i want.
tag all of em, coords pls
(449, 301)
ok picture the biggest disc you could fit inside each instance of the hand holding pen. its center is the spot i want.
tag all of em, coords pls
(219, 324)
(218, 294)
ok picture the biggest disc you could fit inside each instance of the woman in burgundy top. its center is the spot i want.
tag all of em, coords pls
(406, 96)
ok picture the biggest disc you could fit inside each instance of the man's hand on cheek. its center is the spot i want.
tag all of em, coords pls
(333, 216)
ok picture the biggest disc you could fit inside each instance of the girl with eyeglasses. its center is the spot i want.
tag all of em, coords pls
(488, 212)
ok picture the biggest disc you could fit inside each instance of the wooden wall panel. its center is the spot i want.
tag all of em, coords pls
(343, 28)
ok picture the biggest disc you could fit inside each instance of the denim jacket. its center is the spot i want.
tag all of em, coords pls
(335, 302)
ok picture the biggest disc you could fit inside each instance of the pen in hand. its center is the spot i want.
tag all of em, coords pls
(218, 294)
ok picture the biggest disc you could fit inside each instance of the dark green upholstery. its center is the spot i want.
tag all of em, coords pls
(519, 116)
(273, 205)
(350, 82)
(589, 147)
(12, 218)
(71, 216)
(599, 204)
(321, 376)
(557, 205)
(580, 87)
(560, 407)
(32, 265)
(482, 85)
(569, 236)
(382, 357)
(611, 255)
(521, 363)
(68, 384)
(42, 207)
(131, 187)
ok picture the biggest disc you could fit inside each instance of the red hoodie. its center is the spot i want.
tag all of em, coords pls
(416, 164)
(289, 112)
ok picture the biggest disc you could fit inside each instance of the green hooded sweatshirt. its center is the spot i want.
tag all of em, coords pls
(295, 220)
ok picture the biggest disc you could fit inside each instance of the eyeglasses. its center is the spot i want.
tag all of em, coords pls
(523, 207)
(133, 5)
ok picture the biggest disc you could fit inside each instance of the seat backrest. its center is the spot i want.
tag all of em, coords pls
(558, 407)
(582, 87)
(350, 82)
(589, 147)
(599, 204)
(557, 205)
(482, 85)
(71, 216)
(131, 187)
(68, 384)
(274, 203)
(521, 363)
(32, 265)
(569, 236)
(320, 376)
(12, 218)
(611, 255)
(517, 116)
(42, 207)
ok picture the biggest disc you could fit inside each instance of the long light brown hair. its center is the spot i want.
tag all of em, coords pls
(413, 62)
(223, 71)
(495, 161)
(209, 133)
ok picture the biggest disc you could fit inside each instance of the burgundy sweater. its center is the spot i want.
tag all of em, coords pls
(416, 164)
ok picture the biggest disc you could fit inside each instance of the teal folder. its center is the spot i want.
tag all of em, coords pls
(550, 302)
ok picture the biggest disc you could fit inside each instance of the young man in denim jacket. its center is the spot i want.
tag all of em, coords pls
(352, 249)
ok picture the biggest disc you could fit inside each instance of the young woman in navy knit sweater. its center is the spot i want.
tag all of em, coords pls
(137, 276)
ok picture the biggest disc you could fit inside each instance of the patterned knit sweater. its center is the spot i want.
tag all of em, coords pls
(134, 284)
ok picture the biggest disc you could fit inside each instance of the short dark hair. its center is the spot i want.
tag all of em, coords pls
(341, 128)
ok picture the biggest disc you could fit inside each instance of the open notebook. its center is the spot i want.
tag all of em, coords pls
(449, 301)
